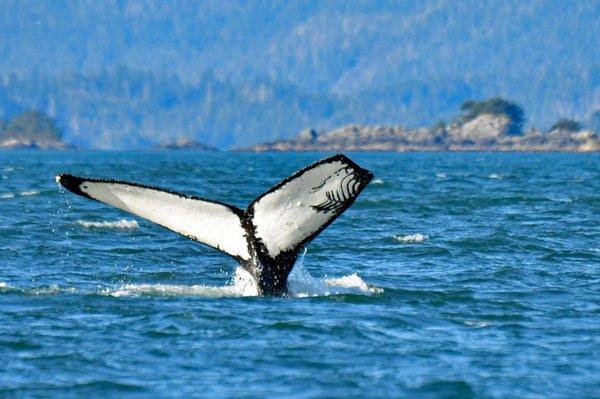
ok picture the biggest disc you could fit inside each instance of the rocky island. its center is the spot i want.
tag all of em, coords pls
(186, 144)
(31, 129)
(490, 125)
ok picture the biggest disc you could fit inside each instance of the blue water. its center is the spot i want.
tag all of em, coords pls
(453, 275)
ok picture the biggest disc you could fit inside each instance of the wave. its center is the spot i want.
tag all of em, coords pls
(122, 224)
(477, 324)
(301, 285)
(378, 182)
(53, 289)
(411, 238)
(22, 193)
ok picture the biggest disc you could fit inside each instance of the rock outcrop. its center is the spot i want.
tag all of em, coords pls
(13, 143)
(185, 144)
(484, 133)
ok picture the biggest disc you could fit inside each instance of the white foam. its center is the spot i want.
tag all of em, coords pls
(378, 182)
(7, 195)
(5, 287)
(173, 290)
(242, 285)
(495, 176)
(412, 238)
(477, 324)
(301, 284)
(50, 290)
(29, 193)
(122, 224)
(440, 175)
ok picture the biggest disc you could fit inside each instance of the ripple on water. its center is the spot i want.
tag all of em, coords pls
(482, 275)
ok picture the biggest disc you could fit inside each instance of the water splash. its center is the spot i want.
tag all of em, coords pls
(301, 285)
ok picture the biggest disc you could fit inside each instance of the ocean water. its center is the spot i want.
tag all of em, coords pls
(453, 275)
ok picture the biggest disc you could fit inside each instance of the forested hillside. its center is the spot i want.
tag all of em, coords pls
(121, 74)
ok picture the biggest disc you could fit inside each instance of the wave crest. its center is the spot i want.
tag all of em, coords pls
(300, 282)
(411, 238)
(122, 224)
(29, 193)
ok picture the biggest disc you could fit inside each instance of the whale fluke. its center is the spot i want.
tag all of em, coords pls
(267, 237)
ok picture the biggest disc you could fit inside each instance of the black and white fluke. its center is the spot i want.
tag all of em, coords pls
(267, 237)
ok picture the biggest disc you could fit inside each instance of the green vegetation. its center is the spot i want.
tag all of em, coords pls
(30, 126)
(497, 107)
(568, 125)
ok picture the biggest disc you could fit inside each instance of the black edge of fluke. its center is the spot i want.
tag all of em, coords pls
(71, 183)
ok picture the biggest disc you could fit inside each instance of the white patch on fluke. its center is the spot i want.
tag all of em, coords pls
(300, 207)
(411, 238)
(123, 224)
(205, 221)
(265, 238)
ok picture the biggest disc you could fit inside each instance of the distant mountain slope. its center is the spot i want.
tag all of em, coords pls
(389, 62)
(129, 109)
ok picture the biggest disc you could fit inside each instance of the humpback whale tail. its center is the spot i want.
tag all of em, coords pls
(267, 237)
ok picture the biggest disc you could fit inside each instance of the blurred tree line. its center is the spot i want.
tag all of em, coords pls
(284, 66)
(121, 108)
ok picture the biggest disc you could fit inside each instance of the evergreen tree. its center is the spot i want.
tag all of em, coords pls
(566, 124)
(496, 106)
